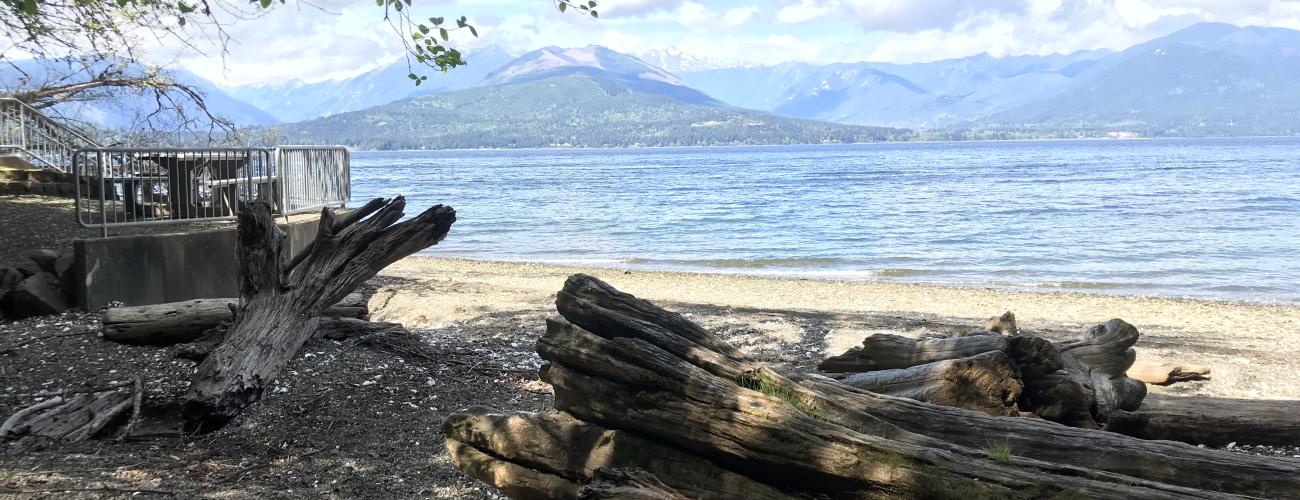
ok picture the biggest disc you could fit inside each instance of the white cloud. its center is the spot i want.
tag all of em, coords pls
(806, 10)
(304, 43)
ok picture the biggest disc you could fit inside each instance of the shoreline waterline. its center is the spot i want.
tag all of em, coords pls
(889, 276)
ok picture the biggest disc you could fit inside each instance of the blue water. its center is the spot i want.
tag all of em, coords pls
(1213, 218)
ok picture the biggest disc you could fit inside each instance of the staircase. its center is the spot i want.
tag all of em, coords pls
(29, 140)
(36, 151)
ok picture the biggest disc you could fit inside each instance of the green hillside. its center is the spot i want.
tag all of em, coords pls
(576, 110)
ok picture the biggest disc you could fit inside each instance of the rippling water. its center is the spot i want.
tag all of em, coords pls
(1217, 218)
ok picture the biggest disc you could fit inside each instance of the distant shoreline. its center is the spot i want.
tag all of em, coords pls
(916, 141)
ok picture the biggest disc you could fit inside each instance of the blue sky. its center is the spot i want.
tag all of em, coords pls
(331, 39)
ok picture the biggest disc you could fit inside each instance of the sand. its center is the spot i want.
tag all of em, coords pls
(1250, 347)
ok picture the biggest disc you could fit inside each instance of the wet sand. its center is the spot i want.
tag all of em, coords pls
(1250, 347)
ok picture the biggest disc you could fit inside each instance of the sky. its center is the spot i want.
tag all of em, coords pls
(333, 39)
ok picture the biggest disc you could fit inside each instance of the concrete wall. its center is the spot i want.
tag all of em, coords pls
(157, 268)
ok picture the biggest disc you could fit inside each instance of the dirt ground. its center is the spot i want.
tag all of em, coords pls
(346, 420)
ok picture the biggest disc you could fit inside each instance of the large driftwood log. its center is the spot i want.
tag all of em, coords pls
(626, 365)
(280, 301)
(1035, 356)
(187, 321)
(988, 382)
(1212, 421)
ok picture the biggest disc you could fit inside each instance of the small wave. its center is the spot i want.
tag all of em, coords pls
(799, 262)
(905, 273)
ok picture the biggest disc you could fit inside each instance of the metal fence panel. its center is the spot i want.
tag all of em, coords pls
(139, 186)
(312, 177)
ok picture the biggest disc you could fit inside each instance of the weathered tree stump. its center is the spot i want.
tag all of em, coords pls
(625, 365)
(281, 300)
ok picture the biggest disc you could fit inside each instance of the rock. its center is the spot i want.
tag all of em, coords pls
(27, 267)
(45, 259)
(9, 279)
(1004, 324)
(64, 263)
(38, 295)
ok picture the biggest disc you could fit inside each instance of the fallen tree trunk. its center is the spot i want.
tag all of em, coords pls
(1212, 421)
(1167, 373)
(626, 365)
(988, 383)
(181, 322)
(280, 303)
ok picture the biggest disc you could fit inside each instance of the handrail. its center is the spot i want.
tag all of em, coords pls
(78, 134)
(41, 140)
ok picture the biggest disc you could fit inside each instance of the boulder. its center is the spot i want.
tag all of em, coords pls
(9, 279)
(27, 267)
(46, 259)
(64, 263)
(38, 295)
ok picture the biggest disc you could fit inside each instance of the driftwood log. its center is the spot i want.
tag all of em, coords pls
(281, 299)
(621, 364)
(1035, 356)
(71, 416)
(1212, 421)
(187, 321)
(987, 382)
(1076, 382)
(1167, 373)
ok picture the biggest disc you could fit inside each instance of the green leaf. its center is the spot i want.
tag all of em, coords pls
(563, 5)
(29, 7)
(266, 3)
(473, 31)
(435, 20)
(593, 14)
(417, 36)
(592, 4)
(184, 8)
(443, 31)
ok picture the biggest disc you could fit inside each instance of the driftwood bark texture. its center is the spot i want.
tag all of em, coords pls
(281, 299)
(71, 416)
(622, 365)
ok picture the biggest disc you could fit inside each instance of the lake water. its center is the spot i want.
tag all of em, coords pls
(1214, 218)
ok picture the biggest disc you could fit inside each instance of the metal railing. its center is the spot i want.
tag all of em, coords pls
(36, 138)
(312, 177)
(141, 186)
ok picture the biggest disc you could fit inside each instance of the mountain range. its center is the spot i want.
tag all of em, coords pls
(583, 97)
(1206, 80)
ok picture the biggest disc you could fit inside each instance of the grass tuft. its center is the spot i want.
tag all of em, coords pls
(1000, 453)
(763, 383)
